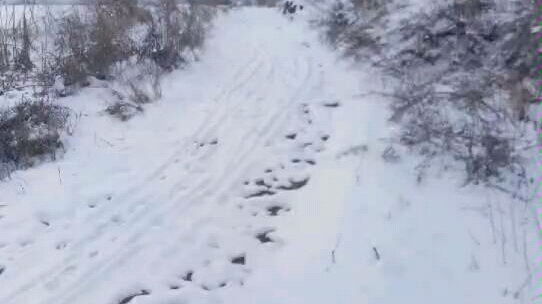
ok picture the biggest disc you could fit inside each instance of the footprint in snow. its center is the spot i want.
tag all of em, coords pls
(274, 210)
(240, 259)
(332, 104)
(61, 245)
(129, 298)
(291, 136)
(263, 236)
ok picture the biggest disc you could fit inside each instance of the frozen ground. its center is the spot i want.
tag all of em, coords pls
(257, 179)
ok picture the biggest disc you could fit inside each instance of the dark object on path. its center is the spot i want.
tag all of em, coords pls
(300, 7)
(289, 7)
(238, 260)
(286, 6)
(188, 276)
(377, 255)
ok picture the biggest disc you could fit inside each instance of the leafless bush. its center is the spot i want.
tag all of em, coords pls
(196, 19)
(139, 80)
(16, 37)
(72, 45)
(354, 26)
(29, 130)
(136, 83)
(467, 123)
(336, 22)
(454, 66)
(22, 57)
(110, 43)
(177, 32)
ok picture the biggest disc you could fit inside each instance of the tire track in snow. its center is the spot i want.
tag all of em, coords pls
(57, 270)
(56, 275)
(133, 245)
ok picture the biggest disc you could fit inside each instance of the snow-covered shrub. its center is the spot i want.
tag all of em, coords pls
(110, 41)
(465, 123)
(72, 45)
(176, 34)
(196, 22)
(455, 101)
(23, 62)
(136, 83)
(29, 130)
(16, 37)
(354, 27)
(340, 16)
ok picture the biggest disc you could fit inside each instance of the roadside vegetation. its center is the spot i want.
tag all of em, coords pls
(467, 91)
(50, 52)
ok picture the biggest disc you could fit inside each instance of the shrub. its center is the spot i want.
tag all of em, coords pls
(72, 45)
(30, 130)
(22, 58)
(452, 70)
(354, 26)
(15, 41)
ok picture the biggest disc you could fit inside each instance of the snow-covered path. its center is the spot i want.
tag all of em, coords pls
(247, 184)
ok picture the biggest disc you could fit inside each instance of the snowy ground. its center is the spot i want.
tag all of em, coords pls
(257, 179)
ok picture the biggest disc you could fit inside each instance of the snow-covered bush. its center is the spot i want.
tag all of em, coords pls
(30, 130)
(354, 27)
(176, 33)
(465, 78)
(139, 81)
(16, 38)
(72, 45)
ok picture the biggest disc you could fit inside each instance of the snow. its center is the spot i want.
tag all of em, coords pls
(156, 208)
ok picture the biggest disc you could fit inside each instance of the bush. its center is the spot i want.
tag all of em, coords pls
(463, 124)
(353, 26)
(22, 58)
(72, 45)
(452, 70)
(30, 130)
(15, 41)
(123, 110)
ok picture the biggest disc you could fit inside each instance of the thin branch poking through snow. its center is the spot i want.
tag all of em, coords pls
(377, 255)
(59, 176)
(491, 221)
(513, 223)
(474, 239)
(334, 249)
(525, 254)
(503, 236)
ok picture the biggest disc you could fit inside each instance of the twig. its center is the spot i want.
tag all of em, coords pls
(516, 196)
(525, 255)
(377, 255)
(513, 223)
(491, 221)
(334, 249)
(474, 239)
(59, 177)
(503, 236)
